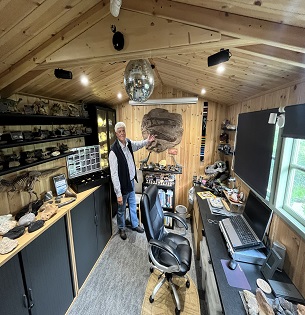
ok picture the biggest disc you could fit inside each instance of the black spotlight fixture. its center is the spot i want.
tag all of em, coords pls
(63, 74)
(222, 56)
(117, 39)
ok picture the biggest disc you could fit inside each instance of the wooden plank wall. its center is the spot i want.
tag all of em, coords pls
(295, 245)
(12, 202)
(189, 148)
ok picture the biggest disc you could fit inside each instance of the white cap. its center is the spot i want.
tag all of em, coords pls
(118, 125)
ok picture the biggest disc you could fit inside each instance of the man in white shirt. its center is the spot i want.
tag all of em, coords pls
(123, 174)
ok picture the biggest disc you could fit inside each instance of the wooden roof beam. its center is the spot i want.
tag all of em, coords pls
(38, 55)
(274, 53)
(271, 33)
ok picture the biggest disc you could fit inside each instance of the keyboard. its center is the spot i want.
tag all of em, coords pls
(244, 233)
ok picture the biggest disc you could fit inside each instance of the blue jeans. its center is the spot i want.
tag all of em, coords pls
(131, 199)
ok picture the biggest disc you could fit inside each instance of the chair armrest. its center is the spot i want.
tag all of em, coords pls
(170, 250)
(175, 217)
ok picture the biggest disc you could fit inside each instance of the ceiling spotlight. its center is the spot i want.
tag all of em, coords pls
(203, 91)
(63, 74)
(84, 80)
(222, 56)
(220, 69)
(119, 95)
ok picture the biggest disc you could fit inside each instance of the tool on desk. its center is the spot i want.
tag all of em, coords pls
(247, 230)
(66, 202)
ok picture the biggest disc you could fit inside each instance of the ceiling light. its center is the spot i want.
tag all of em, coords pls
(63, 74)
(115, 6)
(139, 80)
(222, 56)
(119, 95)
(221, 69)
(203, 91)
(84, 80)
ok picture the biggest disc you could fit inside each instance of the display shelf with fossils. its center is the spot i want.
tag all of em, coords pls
(36, 134)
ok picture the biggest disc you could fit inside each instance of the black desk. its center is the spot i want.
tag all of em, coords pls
(229, 296)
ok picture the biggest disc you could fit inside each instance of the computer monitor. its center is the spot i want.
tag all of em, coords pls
(258, 215)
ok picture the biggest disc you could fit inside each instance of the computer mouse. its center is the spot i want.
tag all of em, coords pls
(232, 264)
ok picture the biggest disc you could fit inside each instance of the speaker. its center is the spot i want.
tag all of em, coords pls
(63, 74)
(222, 56)
(281, 250)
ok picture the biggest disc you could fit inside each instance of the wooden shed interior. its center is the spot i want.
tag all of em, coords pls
(266, 70)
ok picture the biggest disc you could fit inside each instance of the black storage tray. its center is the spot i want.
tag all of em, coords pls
(82, 183)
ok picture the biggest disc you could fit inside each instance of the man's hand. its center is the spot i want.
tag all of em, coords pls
(120, 200)
(150, 138)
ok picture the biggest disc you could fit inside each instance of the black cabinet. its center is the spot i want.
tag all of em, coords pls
(38, 280)
(12, 292)
(103, 212)
(91, 224)
(47, 271)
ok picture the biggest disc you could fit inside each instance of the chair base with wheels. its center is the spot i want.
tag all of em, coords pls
(169, 253)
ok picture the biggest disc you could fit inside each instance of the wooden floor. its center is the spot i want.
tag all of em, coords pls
(164, 300)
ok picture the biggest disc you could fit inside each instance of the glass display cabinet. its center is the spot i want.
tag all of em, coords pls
(102, 122)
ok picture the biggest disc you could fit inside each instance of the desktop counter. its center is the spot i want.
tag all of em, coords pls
(207, 230)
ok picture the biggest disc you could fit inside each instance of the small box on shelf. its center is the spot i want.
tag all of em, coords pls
(236, 207)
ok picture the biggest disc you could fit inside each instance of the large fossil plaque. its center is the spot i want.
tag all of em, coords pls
(167, 128)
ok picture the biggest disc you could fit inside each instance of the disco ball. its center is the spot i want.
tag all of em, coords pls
(139, 80)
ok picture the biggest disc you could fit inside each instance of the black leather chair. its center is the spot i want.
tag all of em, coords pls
(169, 253)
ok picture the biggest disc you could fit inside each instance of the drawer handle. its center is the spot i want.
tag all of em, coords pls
(25, 301)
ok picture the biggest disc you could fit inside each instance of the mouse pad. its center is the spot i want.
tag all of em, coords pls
(236, 278)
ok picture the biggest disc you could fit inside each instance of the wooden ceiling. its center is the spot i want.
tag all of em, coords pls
(265, 37)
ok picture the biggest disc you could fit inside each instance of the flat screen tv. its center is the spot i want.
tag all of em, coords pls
(254, 148)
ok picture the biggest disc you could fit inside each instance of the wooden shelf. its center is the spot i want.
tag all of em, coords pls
(22, 167)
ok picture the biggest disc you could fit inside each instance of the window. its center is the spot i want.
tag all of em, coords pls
(294, 200)
(290, 196)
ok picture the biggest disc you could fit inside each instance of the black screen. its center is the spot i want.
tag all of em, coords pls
(258, 215)
(253, 149)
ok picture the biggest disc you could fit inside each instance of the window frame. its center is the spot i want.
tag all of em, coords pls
(285, 157)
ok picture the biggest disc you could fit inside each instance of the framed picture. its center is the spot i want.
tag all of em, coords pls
(271, 263)
(60, 184)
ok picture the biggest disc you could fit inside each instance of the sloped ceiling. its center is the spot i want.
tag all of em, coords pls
(266, 39)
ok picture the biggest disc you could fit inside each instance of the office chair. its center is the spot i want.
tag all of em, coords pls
(168, 252)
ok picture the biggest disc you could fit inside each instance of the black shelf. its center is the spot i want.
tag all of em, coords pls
(19, 119)
(160, 171)
(22, 167)
(24, 143)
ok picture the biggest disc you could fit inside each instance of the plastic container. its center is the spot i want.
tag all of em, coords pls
(181, 211)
